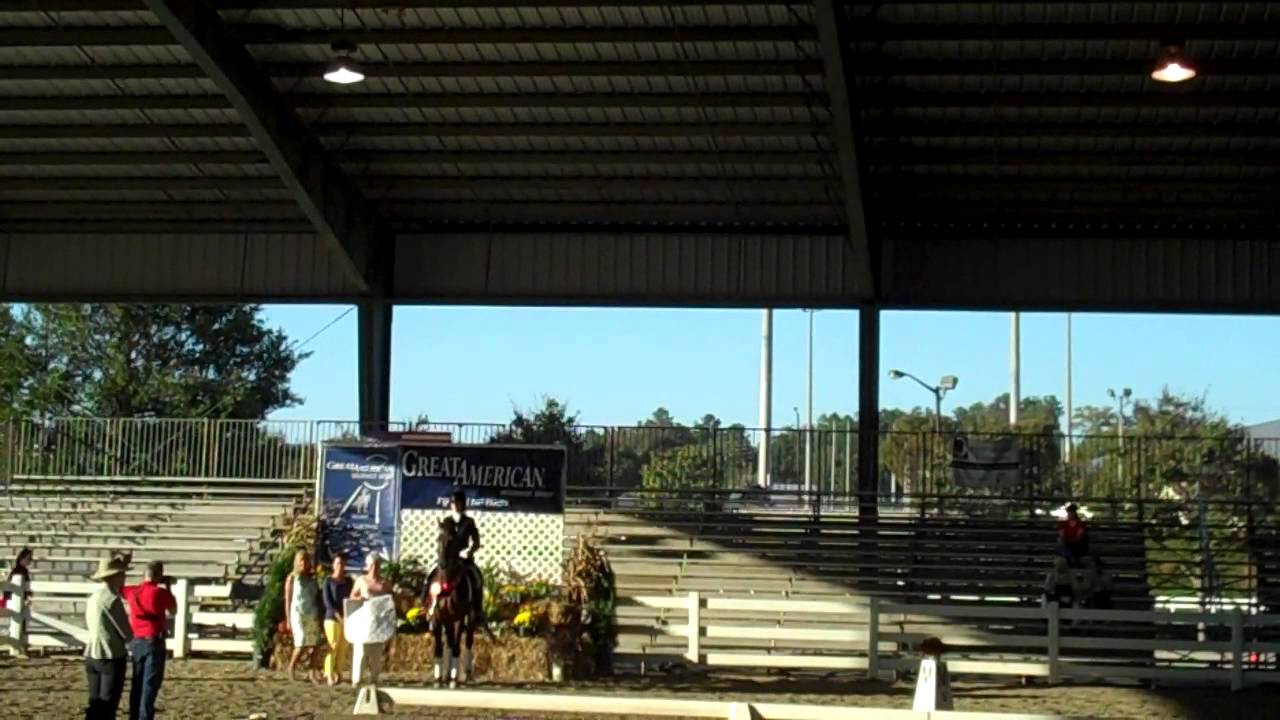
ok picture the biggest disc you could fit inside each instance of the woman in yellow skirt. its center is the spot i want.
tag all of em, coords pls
(337, 587)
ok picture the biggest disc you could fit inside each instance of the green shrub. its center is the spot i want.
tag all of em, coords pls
(270, 609)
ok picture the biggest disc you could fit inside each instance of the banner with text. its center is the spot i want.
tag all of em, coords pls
(360, 491)
(502, 478)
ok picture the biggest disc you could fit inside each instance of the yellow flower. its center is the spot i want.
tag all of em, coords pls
(524, 618)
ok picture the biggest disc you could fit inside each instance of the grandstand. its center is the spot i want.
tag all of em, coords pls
(211, 530)
(920, 561)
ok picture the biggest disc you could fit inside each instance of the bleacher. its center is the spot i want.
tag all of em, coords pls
(205, 531)
(920, 561)
(196, 538)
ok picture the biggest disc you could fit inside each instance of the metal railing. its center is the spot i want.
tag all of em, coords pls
(1204, 501)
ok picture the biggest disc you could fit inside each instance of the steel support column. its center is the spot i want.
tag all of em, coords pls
(868, 410)
(375, 363)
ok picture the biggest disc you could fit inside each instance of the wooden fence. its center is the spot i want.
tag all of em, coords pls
(876, 636)
(195, 628)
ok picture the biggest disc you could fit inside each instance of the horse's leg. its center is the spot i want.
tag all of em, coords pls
(437, 650)
(451, 631)
(471, 639)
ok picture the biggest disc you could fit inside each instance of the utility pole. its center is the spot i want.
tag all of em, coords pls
(1067, 446)
(1015, 372)
(765, 420)
(808, 435)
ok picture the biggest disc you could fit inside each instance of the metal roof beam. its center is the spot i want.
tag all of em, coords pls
(700, 68)
(81, 103)
(100, 36)
(1120, 157)
(334, 206)
(27, 6)
(645, 227)
(139, 157)
(989, 32)
(136, 226)
(899, 128)
(997, 102)
(248, 211)
(394, 129)
(166, 183)
(400, 157)
(1020, 66)
(838, 72)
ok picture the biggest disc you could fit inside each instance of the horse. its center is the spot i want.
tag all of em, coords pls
(456, 619)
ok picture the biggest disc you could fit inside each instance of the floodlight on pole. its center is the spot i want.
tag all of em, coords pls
(946, 384)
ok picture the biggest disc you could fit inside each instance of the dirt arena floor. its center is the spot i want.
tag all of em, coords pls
(53, 688)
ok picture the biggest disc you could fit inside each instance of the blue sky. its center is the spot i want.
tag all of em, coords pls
(614, 366)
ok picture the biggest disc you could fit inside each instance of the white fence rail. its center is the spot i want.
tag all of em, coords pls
(195, 628)
(1049, 642)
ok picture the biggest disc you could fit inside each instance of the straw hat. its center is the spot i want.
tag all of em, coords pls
(110, 566)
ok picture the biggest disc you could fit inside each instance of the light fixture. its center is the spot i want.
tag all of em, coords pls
(342, 69)
(1173, 66)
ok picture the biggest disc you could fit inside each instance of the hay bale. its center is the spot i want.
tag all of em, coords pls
(507, 659)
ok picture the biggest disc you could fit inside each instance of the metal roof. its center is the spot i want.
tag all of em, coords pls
(928, 135)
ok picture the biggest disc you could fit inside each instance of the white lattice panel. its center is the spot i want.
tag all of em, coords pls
(528, 543)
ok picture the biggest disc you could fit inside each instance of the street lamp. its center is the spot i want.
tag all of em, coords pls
(946, 384)
(1121, 399)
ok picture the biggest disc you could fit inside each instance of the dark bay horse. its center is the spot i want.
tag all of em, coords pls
(459, 611)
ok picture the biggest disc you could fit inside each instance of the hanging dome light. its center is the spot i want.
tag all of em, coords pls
(342, 69)
(1173, 66)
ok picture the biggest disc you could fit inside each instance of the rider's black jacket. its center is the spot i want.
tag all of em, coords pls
(454, 537)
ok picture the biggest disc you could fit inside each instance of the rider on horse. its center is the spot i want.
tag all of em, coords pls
(457, 542)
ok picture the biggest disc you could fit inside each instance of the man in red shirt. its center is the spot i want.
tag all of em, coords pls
(148, 605)
(1073, 537)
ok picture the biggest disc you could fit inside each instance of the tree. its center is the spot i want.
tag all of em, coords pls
(125, 369)
(162, 361)
(555, 424)
(690, 467)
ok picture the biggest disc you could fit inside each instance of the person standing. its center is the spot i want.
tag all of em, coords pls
(106, 647)
(337, 588)
(149, 604)
(20, 577)
(369, 585)
(302, 606)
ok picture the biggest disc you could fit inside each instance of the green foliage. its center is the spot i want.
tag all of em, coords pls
(689, 467)
(555, 424)
(166, 361)
(408, 574)
(269, 611)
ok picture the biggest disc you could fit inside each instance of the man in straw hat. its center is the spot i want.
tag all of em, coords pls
(106, 649)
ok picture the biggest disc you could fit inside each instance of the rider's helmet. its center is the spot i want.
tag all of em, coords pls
(458, 500)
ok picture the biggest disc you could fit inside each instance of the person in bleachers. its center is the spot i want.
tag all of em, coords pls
(1060, 585)
(1073, 537)
(1100, 584)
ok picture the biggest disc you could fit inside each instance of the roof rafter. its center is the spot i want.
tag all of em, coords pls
(838, 72)
(98, 36)
(327, 197)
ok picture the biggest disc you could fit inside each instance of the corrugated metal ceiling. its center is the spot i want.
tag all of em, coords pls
(968, 114)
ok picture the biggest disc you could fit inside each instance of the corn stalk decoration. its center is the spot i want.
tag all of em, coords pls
(590, 589)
